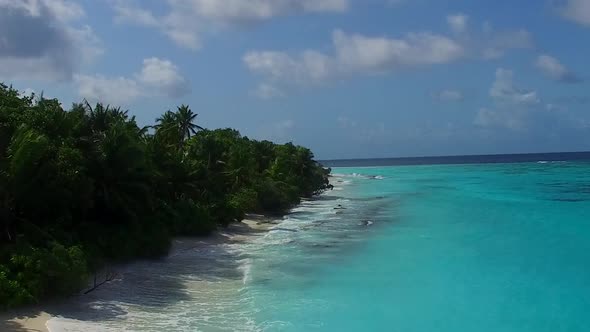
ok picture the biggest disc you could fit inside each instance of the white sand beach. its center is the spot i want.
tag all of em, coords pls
(35, 319)
(26, 320)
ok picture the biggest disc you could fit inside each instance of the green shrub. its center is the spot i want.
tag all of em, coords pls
(35, 273)
(190, 218)
(244, 201)
(275, 197)
(12, 293)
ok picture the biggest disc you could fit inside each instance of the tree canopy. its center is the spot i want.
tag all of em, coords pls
(86, 186)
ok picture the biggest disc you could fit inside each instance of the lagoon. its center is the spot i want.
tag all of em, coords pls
(479, 247)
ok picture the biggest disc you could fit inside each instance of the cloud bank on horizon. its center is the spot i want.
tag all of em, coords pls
(348, 78)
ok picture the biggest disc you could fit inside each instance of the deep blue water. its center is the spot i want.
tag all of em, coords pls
(463, 247)
(470, 159)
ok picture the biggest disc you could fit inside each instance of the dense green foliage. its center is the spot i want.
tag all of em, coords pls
(87, 186)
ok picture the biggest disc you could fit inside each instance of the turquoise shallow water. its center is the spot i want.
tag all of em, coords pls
(452, 248)
(491, 247)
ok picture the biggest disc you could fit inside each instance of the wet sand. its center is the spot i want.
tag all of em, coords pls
(25, 320)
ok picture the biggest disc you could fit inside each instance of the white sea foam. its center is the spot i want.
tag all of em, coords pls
(551, 162)
(340, 177)
(347, 175)
(246, 268)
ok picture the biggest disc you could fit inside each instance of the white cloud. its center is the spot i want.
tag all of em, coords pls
(185, 20)
(40, 40)
(540, 119)
(484, 117)
(458, 22)
(504, 91)
(555, 70)
(157, 77)
(180, 35)
(164, 76)
(62, 10)
(267, 91)
(488, 43)
(238, 10)
(130, 12)
(514, 108)
(43, 68)
(113, 91)
(180, 25)
(577, 11)
(449, 95)
(362, 53)
(355, 54)
(496, 44)
(88, 45)
(308, 66)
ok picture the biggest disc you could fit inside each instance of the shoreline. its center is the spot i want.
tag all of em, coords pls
(35, 319)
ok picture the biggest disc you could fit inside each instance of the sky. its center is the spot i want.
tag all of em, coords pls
(346, 78)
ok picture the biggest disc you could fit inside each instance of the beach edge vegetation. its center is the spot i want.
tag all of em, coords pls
(88, 186)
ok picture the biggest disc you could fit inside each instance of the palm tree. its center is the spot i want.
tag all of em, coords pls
(121, 172)
(165, 121)
(167, 129)
(101, 118)
(185, 120)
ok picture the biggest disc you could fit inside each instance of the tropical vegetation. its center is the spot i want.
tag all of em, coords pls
(89, 186)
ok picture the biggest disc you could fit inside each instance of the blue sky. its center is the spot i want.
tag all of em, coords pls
(347, 78)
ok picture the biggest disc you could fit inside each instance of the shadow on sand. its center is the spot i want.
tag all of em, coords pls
(161, 283)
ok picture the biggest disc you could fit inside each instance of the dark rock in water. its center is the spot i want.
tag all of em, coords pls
(322, 245)
(339, 207)
(366, 223)
(284, 229)
(369, 199)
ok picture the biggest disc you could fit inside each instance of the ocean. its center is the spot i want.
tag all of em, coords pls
(500, 244)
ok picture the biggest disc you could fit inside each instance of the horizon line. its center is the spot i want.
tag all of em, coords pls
(454, 156)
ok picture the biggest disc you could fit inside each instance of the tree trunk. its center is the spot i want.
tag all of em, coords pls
(109, 276)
